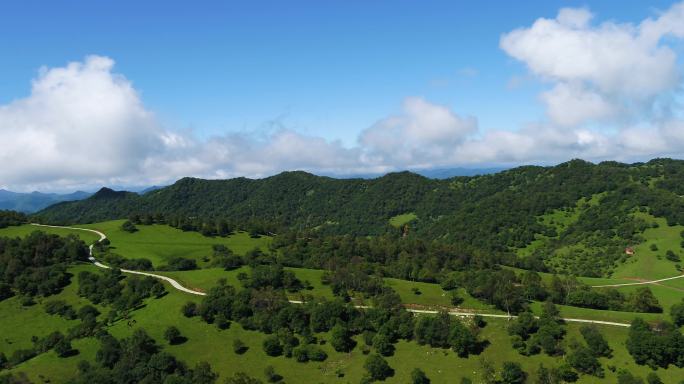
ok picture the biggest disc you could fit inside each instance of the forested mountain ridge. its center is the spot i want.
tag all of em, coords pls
(495, 213)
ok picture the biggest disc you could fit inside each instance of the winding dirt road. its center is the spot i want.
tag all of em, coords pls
(459, 313)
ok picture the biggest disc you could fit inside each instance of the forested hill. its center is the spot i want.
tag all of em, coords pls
(497, 212)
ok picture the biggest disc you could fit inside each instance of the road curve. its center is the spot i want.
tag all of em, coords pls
(181, 288)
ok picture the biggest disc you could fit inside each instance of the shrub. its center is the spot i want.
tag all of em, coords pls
(272, 346)
(239, 347)
(189, 309)
(377, 368)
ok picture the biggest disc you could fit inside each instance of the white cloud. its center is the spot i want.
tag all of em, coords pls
(79, 122)
(84, 125)
(423, 134)
(598, 70)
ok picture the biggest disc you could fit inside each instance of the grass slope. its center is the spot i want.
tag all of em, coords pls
(399, 220)
(159, 243)
(207, 343)
(648, 264)
(23, 230)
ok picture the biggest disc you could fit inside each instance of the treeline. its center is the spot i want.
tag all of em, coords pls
(12, 218)
(37, 264)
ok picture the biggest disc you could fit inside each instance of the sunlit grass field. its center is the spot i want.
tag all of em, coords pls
(159, 243)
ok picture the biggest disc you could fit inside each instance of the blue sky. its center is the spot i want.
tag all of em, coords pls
(327, 70)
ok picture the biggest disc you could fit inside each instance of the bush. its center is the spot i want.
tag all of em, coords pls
(129, 227)
(61, 308)
(512, 373)
(173, 335)
(595, 341)
(21, 355)
(419, 377)
(239, 347)
(189, 309)
(309, 352)
(63, 348)
(271, 374)
(670, 255)
(377, 368)
(383, 345)
(340, 339)
(272, 346)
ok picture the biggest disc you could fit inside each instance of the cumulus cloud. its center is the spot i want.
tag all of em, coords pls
(80, 121)
(599, 71)
(83, 125)
(423, 133)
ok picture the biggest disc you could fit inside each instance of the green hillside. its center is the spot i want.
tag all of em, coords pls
(575, 217)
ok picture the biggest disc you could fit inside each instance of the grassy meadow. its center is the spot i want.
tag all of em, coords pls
(159, 243)
(206, 342)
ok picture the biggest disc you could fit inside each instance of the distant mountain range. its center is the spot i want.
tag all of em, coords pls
(35, 201)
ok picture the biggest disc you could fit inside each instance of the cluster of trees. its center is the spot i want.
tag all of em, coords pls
(110, 288)
(530, 336)
(584, 357)
(444, 331)
(37, 264)
(656, 346)
(12, 218)
(262, 305)
(138, 359)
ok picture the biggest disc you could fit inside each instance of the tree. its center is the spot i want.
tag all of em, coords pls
(653, 378)
(271, 375)
(109, 352)
(377, 368)
(643, 300)
(524, 325)
(202, 374)
(340, 339)
(462, 339)
(172, 335)
(584, 360)
(272, 346)
(512, 373)
(419, 377)
(63, 348)
(189, 309)
(677, 313)
(239, 347)
(626, 377)
(383, 345)
(597, 344)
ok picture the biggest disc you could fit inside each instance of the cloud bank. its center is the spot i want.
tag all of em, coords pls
(611, 92)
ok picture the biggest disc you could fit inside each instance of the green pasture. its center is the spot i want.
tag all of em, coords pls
(648, 264)
(23, 230)
(19, 323)
(208, 343)
(159, 243)
(399, 220)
